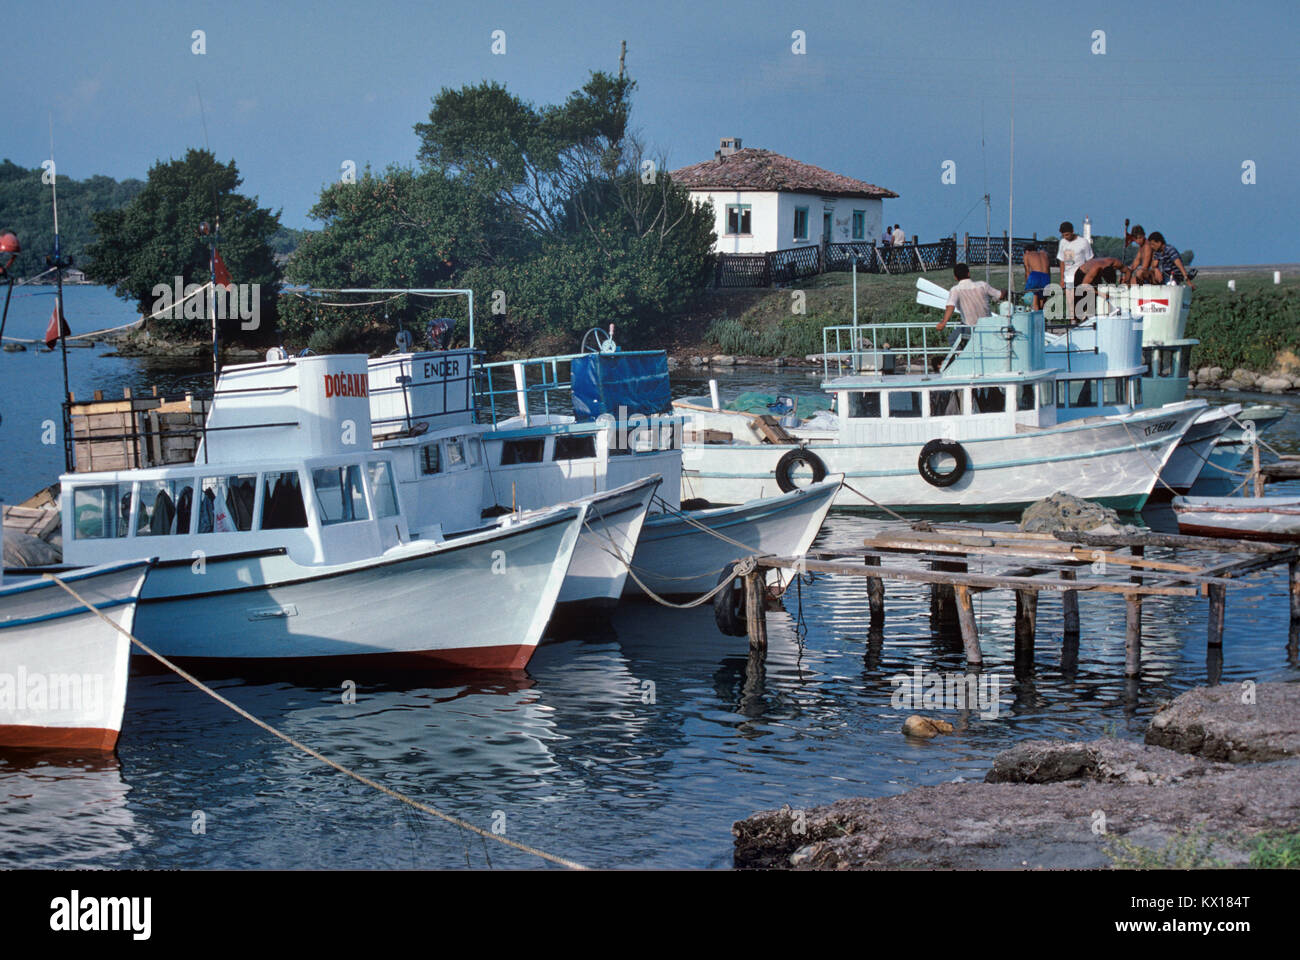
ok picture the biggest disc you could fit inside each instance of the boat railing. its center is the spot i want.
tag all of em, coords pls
(884, 348)
(537, 386)
(422, 400)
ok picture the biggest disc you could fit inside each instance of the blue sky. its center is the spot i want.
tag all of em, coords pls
(1155, 129)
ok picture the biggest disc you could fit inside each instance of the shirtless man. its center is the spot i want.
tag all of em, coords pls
(1038, 272)
(1140, 270)
(1105, 267)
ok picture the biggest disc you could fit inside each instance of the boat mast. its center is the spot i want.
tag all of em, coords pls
(58, 263)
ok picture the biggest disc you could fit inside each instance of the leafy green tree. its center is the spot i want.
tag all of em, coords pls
(155, 238)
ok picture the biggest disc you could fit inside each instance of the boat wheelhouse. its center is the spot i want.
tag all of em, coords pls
(287, 539)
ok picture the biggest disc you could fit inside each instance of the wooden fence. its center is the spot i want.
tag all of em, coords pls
(795, 263)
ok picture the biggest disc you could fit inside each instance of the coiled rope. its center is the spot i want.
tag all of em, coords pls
(410, 801)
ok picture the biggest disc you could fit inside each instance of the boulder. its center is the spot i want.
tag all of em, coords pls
(1064, 511)
(722, 360)
(1244, 377)
(1216, 373)
(1233, 722)
(925, 727)
(1203, 375)
(1231, 384)
(1107, 761)
(1274, 384)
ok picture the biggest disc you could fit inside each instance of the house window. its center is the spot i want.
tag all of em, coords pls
(859, 224)
(801, 223)
(738, 223)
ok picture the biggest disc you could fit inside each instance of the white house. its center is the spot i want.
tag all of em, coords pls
(764, 201)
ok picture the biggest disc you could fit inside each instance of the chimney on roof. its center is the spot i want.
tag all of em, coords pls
(729, 145)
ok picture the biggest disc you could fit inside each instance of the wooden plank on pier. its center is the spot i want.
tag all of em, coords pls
(1037, 551)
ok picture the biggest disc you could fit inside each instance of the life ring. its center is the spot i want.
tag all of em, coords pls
(785, 467)
(935, 447)
(729, 606)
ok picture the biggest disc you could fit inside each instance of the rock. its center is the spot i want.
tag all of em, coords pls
(919, 726)
(1274, 384)
(1230, 384)
(1064, 511)
(1214, 723)
(1108, 761)
(15, 348)
(1244, 377)
(1216, 374)
(722, 360)
(24, 550)
(1203, 375)
(698, 361)
(1023, 825)
(672, 363)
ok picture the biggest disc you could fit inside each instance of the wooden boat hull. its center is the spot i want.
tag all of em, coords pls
(675, 557)
(477, 602)
(1250, 518)
(63, 670)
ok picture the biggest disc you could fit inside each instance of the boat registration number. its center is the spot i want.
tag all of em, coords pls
(273, 613)
(1160, 427)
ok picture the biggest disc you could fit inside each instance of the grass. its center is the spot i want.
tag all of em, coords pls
(1187, 850)
(1256, 327)
(1276, 851)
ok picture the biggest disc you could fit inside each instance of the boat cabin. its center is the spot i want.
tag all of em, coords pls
(285, 462)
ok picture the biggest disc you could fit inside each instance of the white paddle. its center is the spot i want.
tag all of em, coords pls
(932, 288)
(927, 299)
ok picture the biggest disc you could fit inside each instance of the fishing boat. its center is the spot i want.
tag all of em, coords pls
(980, 433)
(1250, 518)
(63, 667)
(572, 426)
(286, 542)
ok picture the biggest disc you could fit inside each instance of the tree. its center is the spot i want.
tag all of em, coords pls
(155, 238)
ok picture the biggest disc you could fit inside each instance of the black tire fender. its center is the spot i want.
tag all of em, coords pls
(729, 605)
(785, 467)
(935, 447)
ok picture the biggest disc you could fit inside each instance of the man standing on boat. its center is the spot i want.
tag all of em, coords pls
(1072, 253)
(972, 298)
(1038, 272)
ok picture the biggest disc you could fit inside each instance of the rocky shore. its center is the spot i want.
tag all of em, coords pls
(1240, 379)
(1219, 769)
(139, 343)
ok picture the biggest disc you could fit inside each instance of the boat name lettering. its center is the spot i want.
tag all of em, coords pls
(441, 368)
(1160, 427)
(346, 385)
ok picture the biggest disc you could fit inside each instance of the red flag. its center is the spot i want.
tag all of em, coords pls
(219, 270)
(58, 328)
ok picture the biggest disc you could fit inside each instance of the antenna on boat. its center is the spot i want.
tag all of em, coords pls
(58, 262)
(1011, 199)
(988, 206)
(213, 235)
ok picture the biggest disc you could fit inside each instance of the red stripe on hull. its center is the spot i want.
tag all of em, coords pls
(57, 738)
(514, 656)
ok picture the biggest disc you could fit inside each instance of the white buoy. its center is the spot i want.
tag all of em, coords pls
(1277, 276)
(1232, 284)
(713, 395)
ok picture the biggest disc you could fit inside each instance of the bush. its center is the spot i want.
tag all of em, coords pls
(1244, 329)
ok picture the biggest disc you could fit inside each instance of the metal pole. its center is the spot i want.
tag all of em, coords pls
(988, 234)
(1011, 200)
(9, 282)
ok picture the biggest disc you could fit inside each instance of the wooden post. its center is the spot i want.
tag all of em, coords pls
(970, 637)
(943, 601)
(875, 597)
(1293, 640)
(1218, 602)
(965, 248)
(1138, 554)
(755, 613)
(1026, 621)
(1133, 634)
(1255, 472)
(1070, 608)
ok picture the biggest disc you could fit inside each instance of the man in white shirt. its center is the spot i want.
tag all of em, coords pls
(899, 237)
(972, 298)
(1072, 253)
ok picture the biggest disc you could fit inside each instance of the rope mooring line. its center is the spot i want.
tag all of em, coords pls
(311, 752)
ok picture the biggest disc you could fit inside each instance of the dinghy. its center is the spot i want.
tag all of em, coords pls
(1249, 518)
(63, 669)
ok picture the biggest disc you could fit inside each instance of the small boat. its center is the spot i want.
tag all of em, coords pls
(63, 670)
(1247, 518)
(683, 553)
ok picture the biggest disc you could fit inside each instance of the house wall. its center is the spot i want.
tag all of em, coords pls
(772, 218)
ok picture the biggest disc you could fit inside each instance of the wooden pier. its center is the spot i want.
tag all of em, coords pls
(942, 556)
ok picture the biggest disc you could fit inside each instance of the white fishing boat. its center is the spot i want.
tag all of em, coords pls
(63, 669)
(979, 435)
(1251, 518)
(287, 541)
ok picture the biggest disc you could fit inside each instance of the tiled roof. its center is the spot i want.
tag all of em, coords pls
(755, 169)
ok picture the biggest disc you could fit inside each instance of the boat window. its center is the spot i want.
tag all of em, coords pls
(226, 505)
(1137, 391)
(381, 488)
(1082, 393)
(1060, 393)
(522, 451)
(1113, 391)
(988, 399)
(574, 448)
(165, 507)
(430, 461)
(904, 403)
(95, 512)
(864, 404)
(1147, 361)
(471, 447)
(946, 403)
(282, 507)
(455, 453)
(1183, 360)
(1044, 393)
(1165, 362)
(339, 494)
(1025, 397)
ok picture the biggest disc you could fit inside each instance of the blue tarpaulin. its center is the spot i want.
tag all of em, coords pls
(620, 384)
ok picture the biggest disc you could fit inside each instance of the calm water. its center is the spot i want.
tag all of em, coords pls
(572, 755)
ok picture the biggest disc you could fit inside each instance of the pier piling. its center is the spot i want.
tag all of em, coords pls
(1070, 609)
(1133, 634)
(875, 597)
(970, 637)
(755, 612)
